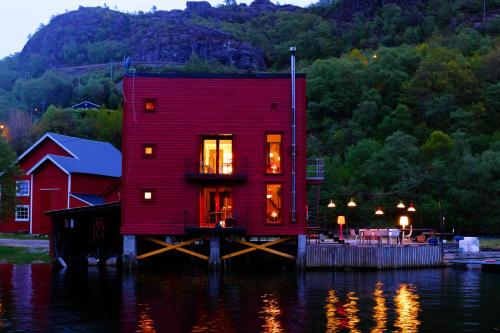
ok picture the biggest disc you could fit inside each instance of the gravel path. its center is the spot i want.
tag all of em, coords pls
(30, 243)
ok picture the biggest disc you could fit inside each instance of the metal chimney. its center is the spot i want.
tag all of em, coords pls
(294, 186)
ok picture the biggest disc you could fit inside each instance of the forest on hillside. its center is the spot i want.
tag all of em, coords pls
(403, 96)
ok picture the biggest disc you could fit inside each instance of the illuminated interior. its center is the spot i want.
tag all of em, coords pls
(216, 206)
(273, 153)
(149, 105)
(148, 195)
(217, 155)
(273, 203)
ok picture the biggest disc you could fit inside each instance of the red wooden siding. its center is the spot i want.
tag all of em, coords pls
(50, 192)
(90, 184)
(46, 147)
(187, 108)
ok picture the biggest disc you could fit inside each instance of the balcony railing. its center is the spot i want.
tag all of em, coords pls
(315, 169)
(229, 225)
(196, 170)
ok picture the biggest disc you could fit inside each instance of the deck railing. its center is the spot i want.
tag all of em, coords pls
(315, 169)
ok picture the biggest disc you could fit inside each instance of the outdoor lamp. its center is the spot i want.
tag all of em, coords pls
(331, 204)
(404, 221)
(351, 203)
(340, 222)
(411, 208)
(401, 205)
(379, 211)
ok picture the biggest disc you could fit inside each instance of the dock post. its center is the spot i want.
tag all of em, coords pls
(129, 251)
(214, 261)
(301, 252)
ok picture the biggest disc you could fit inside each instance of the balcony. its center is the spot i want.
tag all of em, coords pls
(315, 171)
(197, 171)
(233, 225)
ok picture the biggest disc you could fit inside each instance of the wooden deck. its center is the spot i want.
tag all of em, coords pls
(373, 257)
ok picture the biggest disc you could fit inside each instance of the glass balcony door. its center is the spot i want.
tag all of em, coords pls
(216, 206)
(217, 155)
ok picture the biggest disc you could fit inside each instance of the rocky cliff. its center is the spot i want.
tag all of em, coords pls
(100, 35)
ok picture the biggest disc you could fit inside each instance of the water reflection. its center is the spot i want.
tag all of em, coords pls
(407, 309)
(379, 310)
(40, 299)
(270, 313)
(146, 323)
(341, 314)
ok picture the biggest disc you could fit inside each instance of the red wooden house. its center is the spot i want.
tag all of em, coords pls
(61, 172)
(213, 151)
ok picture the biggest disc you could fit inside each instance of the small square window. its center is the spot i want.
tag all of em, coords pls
(149, 105)
(22, 188)
(149, 150)
(148, 195)
(22, 213)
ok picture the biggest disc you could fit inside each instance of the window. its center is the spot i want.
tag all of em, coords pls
(149, 105)
(217, 155)
(148, 195)
(149, 150)
(273, 151)
(22, 213)
(273, 203)
(22, 188)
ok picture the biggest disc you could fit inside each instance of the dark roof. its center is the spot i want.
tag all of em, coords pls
(86, 105)
(107, 207)
(91, 199)
(89, 157)
(216, 75)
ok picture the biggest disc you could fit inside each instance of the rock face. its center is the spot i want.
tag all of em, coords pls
(100, 35)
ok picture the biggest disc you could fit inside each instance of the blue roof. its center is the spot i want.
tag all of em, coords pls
(89, 198)
(90, 157)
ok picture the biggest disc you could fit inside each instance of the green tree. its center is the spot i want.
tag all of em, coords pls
(8, 171)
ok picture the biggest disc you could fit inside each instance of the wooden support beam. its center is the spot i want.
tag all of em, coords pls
(168, 247)
(262, 247)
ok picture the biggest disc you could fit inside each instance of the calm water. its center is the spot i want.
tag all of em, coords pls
(39, 298)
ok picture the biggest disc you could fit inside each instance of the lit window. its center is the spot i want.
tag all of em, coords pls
(273, 203)
(149, 105)
(22, 213)
(147, 195)
(217, 155)
(273, 151)
(22, 188)
(149, 150)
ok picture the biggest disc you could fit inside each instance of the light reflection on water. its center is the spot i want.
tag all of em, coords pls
(37, 298)
(407, 308)
(379, 310)
(271, 314)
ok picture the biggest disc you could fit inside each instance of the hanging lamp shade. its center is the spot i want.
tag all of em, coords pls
(401, 205)
(269, 195)
(351, 203)
(404, 221)
(331, 204)
(341, 219)
(379, 211)
(411, 208)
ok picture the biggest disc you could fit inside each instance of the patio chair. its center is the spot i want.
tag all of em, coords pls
(407, 238)
(354, 235)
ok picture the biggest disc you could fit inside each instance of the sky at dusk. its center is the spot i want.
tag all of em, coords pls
(20, 18)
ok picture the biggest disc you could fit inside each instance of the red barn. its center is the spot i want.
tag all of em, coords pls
(61, 172)
(213, 152)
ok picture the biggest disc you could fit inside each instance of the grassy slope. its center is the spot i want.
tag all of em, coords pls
(22, 255)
